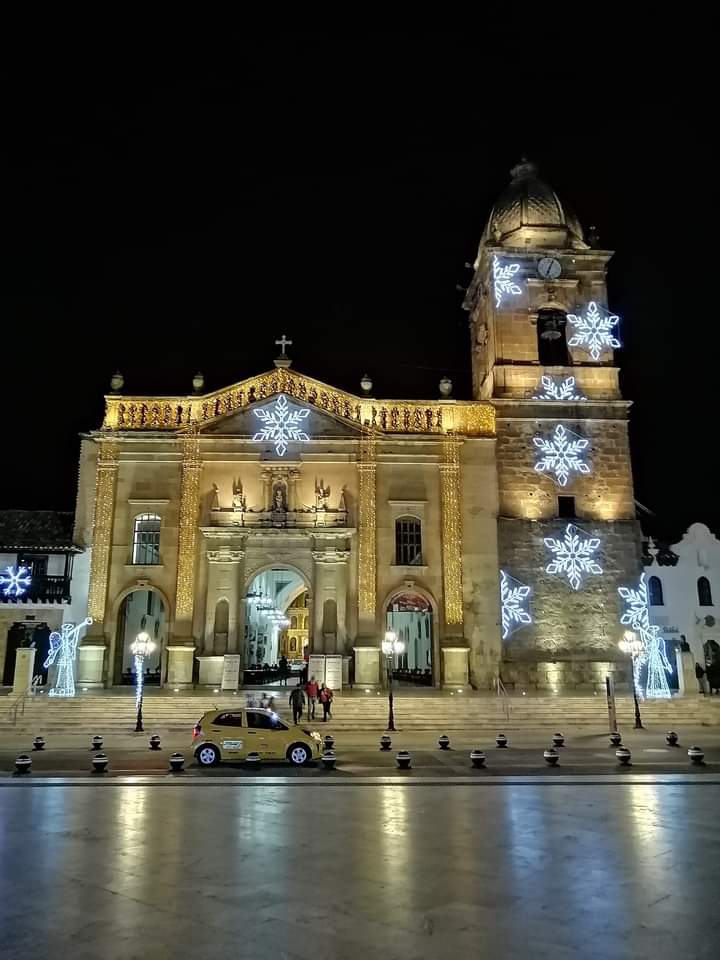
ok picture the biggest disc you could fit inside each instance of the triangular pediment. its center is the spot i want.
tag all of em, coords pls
(340, 413)
(281, 418)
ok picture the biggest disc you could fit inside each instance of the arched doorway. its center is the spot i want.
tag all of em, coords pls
(410, 616)
(276, 623)
(140, 610)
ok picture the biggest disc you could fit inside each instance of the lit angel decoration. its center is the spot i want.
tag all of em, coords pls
(637, 617)
(63, 647)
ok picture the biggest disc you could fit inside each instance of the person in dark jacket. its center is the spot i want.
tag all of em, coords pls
(297, 702)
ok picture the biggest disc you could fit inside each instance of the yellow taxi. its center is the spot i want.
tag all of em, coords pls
(233, 734)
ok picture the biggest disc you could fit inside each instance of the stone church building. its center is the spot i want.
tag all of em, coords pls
(281, 514)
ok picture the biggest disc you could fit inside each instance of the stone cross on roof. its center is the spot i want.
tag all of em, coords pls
(283, 360)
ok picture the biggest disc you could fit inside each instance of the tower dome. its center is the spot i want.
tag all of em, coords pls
(529, 213)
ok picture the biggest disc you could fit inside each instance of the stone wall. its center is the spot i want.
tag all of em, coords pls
(577, 628)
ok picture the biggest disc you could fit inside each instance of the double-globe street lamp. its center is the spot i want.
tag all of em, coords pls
(391, 647)
(141, 647)
(633, 646)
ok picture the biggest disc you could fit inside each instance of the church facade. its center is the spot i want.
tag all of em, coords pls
(281, 515)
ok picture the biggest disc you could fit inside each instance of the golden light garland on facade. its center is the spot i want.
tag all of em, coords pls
(450, 498)
(105, 479)
(188, 526)
(367, 562)
(469, 418)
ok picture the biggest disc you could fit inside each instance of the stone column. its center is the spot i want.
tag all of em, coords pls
(266, 476)
(293, 477)
(367, 563)
(330, 583)
(450, 501)
(181, 649)
(223, 584)
(91, 654)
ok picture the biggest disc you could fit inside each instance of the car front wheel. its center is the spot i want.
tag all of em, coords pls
(208, 755)
(298, 754)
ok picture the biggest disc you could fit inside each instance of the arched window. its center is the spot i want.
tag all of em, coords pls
(704, 592)
(408, 542)
(655, 592)
(146, 539)
(552, 343)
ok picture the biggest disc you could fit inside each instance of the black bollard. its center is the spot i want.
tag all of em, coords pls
(385, 742)
(154, 742)
(23, 763)
(329, 760)
(39, 743)
(623, 755)
(403, 760)
(444, 742)
(100, 763)
(177, 763)
(501, 740)
(551, 756)
(477, 758)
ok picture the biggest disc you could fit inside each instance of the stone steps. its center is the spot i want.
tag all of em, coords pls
(85, 716)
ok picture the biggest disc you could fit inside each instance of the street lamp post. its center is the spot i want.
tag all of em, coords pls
(633, 646)
(391, 646)
(141, 647)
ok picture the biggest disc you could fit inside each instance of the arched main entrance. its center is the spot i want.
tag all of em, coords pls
(140, 610)
(277, 618)
(410, 616)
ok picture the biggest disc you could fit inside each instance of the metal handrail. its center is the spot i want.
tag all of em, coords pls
(20, 701)
(503, 694)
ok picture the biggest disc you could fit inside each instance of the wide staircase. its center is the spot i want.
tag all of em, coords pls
(167, 713)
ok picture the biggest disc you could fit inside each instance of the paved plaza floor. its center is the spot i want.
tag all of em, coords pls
(308, 871)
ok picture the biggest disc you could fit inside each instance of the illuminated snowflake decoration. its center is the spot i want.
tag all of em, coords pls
(654, 656)
(513, 604)
(562, 390)
(593, 330)
(573, 555)
(282, 425)
(503, 282)
(15, 581)
(561, 455)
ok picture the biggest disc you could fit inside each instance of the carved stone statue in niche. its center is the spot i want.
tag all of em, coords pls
(279, 502)
(481, 335)
(215, 498)
(342, 505)
(322, 495)
(239, 499)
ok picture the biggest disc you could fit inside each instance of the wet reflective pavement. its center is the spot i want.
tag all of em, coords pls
(302, 869)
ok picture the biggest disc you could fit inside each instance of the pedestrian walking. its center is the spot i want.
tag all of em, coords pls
(325, 696)
(311, 690)
(284, 670)
(297, 702)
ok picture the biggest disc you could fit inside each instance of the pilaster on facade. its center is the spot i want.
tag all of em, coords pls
(367, 559)
(187, 531)
(105, 484)
(450, 501)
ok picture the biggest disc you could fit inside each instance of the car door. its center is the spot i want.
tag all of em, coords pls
(259, 733)
(229, 733)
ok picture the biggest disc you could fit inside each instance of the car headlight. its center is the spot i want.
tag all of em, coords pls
(315, 735)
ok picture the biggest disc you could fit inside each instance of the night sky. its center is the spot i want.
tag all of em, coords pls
(178, 205)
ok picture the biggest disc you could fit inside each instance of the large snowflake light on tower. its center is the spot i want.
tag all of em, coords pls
(654, 655)
(513, 604)
(503, 282)
(562, 454)
(573, 555)
(15, 581)
(558, 390)
(593, 330)
(282, 425)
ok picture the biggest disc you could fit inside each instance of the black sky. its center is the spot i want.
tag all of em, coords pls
(176, 204)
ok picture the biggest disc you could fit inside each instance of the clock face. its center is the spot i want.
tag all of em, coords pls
(549, 268)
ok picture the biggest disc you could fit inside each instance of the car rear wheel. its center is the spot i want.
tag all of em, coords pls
(207, 755)
(298, 754)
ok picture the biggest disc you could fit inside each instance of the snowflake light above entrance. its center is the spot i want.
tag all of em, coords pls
(593, 330)
(15, 581)
(503, 282)
(513, 604)
(63, 646)
(654, 656)
(282, 425)
(561, 455)
(573, 555)
(558, 390)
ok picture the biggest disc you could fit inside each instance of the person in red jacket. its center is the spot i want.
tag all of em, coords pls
(325, 697)
(311, 692)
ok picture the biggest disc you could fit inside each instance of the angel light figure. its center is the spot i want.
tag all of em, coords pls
(63, 647)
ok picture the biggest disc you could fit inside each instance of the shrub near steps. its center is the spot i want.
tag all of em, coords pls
(178, 714)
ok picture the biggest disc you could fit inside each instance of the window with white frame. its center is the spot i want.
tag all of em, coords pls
(146, 539)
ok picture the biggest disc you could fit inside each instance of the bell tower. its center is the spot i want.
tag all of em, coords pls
(543, 341)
